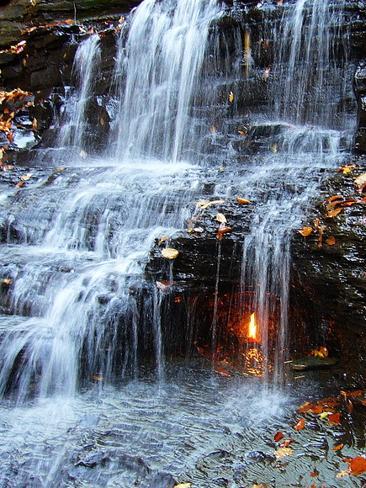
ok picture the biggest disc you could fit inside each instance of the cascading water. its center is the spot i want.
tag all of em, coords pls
(306, 66)
(74, 127)
(161, 60)
(78, 242)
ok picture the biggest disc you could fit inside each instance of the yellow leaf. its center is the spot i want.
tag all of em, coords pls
(306, 231)
(231, 97)
(283, 452)
(347, 169)
(183, 485)
(170, 253)
(242, 201)
(221, 218)
(324, 415)
(274, 148)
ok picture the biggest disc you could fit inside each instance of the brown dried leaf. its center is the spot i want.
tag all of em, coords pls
(222, 230)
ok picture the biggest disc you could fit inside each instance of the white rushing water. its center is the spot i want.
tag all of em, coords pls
(79, 315)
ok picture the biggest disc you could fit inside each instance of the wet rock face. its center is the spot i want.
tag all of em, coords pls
(17, 15)
(328, 278)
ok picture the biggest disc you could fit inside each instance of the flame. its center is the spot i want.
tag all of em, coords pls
(253, 329)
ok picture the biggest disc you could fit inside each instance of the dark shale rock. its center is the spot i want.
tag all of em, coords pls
(18, 15)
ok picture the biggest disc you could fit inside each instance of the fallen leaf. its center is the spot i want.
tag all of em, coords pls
(283, 452)
(347, 169)
(338, 447)
(331, 241)
(306, 231)
(170, 253)
(242, 201)
(334, 212)
(231, 97)
(314, 474)
(360, 182)
(183, 485)
(222, 230)
(342, 474)
(335, 198)
(278, 436)
(357, 465)
(300, 425)
(203, 204)
(213, 129)
(334, 418)
(286, 443)
(20, 184)
(324, 415)
(221, 218)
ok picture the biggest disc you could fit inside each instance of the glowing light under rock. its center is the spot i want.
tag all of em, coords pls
(253, 335)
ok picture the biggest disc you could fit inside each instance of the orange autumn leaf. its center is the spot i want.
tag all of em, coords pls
(300, 425)
(314, 474)
(357, 465)
(306, 231)
(335, 198)
(278, 436)
(286, 443)
(338, 447)
(331, 241)
(334, 212)
(242, 201)
(334, 418)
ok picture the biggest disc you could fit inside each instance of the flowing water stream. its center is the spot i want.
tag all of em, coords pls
(73, 331)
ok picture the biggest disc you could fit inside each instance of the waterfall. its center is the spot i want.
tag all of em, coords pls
(161, 62)
(74, 129)
(103, 220)
(306, 109)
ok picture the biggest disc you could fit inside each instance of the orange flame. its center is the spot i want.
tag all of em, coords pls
(253, 329)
